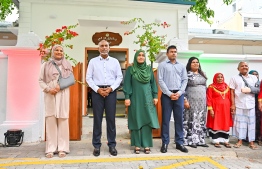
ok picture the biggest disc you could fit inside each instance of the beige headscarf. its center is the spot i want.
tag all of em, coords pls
(50, 69)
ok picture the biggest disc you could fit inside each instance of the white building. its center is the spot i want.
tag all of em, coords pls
(42, 17)
(217, 52)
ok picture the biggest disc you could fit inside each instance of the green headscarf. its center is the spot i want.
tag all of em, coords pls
(140, 71)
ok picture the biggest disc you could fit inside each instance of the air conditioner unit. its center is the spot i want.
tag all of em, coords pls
(220, 31)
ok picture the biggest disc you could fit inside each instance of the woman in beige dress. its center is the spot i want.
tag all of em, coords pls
(56, 103)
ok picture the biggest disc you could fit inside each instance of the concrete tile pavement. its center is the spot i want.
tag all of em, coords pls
(31, 155)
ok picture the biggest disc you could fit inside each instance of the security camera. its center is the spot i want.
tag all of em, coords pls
(184, 16)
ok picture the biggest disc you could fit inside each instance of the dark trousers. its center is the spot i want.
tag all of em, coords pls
(99, 105)
(177, 106)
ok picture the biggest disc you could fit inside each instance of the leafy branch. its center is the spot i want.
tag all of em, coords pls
(148, 40)
(202, 11)
(58, 37)
(6, 7)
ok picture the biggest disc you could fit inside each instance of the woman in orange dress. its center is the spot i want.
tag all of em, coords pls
(219, 118)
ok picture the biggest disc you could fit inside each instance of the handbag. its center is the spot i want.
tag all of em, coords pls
(65, 82)
(254, 89)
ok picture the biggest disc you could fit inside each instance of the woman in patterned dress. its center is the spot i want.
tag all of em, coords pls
(219, 118)
(195, 116)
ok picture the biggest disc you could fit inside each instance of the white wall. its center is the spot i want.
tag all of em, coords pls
(228, 66)
(44, 16)
(214, 63)
(36, 15)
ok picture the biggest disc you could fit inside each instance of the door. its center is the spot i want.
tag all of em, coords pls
(75, 113)
(121, 54)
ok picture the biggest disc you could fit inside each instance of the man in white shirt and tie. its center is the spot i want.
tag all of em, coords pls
(104, 75)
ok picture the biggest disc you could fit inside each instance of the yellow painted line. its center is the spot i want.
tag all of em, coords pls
(215, 163)
(194, 159)
(9, 159)
(184, 163)
(197, 160)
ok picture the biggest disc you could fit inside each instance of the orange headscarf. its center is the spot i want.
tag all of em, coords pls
(219, 86)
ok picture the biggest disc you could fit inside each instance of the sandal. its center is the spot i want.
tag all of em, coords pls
(49, 155)
(237, 145)
(217, 145)
(227, 145)
(252, 146)
(61, 154)
(147, 150)
(137, 150)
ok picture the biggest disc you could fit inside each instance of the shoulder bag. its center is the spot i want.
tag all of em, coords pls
(65, 82)
(254, 89)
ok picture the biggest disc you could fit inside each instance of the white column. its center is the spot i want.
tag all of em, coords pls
(22, 93)
(3, 85)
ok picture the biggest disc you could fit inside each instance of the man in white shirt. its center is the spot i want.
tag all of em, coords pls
(104, 75)
(243, 105)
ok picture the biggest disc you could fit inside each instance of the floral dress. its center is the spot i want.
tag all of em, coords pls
(195, 117)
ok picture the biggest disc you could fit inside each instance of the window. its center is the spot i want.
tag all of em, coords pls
(256, 24)
(245, 24)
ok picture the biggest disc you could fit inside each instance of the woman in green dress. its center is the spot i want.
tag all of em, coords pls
(140, 91)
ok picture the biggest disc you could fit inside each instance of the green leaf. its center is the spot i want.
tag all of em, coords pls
(148, 40)
(6, 8)
(203, 12)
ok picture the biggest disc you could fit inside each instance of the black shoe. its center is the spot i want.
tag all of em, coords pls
(163, 148)
(181, 148)
(203, 145)
(113, 151)
(193, 145)
(96, 152)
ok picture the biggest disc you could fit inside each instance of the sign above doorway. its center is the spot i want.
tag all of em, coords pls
(114, 39)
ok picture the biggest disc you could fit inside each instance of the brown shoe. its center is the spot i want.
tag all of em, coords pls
(217, 145)
(252, 146)
(227, 145)
(137, 150)
(147, 150)
(237, 145)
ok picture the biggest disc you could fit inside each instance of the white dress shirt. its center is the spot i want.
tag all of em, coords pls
(242, 100)
(102, 72)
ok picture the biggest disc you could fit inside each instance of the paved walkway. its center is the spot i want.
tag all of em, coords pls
(31, 155)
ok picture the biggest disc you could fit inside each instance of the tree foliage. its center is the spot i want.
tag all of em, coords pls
(204, 12)
(147, 38)
(6, 7)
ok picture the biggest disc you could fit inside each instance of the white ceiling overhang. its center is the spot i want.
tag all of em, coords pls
(224, 39)
(103, 21)
(251, 15)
